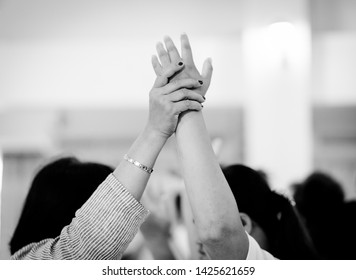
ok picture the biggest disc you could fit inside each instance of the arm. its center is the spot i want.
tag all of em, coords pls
(105, 225)
(98, 230)
(213, 205)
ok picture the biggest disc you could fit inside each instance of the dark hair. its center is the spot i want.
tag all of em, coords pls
(320, 199)
(347, 220)
(57, 191)
(317, 195)
(275, 214)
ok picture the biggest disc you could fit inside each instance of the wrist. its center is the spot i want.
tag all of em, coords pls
(145, 150)
(154, 136)
(188, 116)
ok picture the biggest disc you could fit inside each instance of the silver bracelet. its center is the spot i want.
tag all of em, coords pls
(138, 164)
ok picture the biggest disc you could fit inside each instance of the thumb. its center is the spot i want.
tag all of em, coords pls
(207, 71)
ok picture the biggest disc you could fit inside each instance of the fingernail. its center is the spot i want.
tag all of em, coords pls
(200, 82)
(204, 97)
(180, 63)
(202, 105)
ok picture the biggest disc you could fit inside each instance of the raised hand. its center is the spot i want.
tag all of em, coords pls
(169, 54)
(168, 100)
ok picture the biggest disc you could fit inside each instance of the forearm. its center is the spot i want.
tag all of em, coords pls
(145, 150)
(213, 205)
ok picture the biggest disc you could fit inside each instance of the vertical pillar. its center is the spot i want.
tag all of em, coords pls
(276, 60)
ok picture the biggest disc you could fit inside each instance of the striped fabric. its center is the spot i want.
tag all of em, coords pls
(101, 229)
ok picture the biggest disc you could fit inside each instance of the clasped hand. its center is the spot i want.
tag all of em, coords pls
(179, 86)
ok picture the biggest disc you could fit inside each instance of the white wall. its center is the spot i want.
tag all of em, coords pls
(97, 53)
(58, 55)
(334, 60)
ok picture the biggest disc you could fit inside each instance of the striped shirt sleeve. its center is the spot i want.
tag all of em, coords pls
(101, 229)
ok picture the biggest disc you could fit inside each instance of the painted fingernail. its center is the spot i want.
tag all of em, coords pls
(200, 82)
(202, 105)
(203, 97)
(180, 63)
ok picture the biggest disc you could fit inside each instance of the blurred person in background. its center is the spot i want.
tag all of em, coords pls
(268, 216)
(347, 219)
(321, 200)
(58, 190)
(162, 231)
(224, 232)
(108, 221)
(215, 213)
(165, 233)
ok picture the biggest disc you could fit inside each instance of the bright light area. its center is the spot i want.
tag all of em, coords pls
(335, 69)
(286, 42)
(65, 54)
(278, 46)
(277, 63)
(282, 34)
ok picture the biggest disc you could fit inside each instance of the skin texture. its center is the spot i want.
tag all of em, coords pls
(213, 206)
(166, 103)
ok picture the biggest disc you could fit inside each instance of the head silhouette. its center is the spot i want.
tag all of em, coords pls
(318, 195)
(320, 200)
(57, 191)
(272, 215)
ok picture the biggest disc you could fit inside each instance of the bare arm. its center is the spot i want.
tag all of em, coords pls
(105, 225)
(213, 205)
(166, 103)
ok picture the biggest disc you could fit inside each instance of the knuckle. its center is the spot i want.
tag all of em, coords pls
(184, 93)
(193, 81)
(187, 104)
(181, 94)
(189, 67)
(175, 82)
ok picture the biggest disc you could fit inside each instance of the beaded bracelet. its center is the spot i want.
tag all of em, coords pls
(138, 164)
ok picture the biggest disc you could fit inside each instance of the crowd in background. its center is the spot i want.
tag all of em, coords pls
(91, 211)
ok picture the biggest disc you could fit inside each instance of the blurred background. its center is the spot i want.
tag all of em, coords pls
(75, 77)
